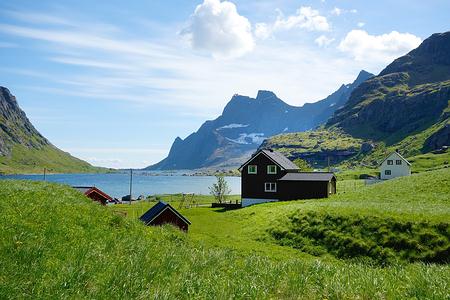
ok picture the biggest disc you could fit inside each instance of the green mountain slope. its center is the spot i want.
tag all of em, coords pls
(24, 150)
(405, 108)
(409, 97)
(55, 243)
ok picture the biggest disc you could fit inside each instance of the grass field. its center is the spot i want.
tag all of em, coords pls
(55, 243)
(33, 161)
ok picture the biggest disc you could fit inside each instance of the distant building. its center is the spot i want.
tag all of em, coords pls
(394, 166)
(95, 194)
(270, 176)
(163, 213)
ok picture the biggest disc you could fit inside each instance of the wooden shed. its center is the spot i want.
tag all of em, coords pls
(95, 194)
(163, 213)
(306, 185)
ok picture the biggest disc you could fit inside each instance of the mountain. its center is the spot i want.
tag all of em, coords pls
(246, 122)
(24, 150)
(405, 108)
(410, 97)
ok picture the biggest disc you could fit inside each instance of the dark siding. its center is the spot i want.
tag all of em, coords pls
(169, 217)
(252, 185)
(292, 190)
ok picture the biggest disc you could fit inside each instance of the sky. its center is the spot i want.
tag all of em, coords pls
(115, 82)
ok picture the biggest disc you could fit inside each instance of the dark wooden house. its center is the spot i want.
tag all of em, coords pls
(95, 194)
(163, 213)
(270, 176)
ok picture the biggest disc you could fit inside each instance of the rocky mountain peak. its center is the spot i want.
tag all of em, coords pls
(362, 76)
(15, 128)
(430, 62)
(265, 95)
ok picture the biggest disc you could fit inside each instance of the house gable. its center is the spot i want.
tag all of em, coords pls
(394, 166)
(277, 158)
(394, 156)
(158, 209)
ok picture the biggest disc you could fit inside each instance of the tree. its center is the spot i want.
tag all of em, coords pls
(302, 164)
(220, 189)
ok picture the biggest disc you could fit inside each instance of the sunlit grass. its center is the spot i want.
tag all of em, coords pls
(55, 243)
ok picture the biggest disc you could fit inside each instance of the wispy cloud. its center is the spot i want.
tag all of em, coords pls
(339, 11)
(305, 18)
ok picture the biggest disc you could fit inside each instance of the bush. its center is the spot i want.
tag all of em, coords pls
(383, 240)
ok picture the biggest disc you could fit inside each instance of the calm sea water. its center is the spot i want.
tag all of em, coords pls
(118, 184)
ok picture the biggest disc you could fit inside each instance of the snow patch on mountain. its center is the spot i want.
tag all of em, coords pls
(232, 125)
(247, 139)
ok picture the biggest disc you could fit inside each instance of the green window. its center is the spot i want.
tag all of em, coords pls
(271, 169)
(252, 169)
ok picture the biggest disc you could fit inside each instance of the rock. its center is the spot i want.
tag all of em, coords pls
(439, 140)
(367, 147)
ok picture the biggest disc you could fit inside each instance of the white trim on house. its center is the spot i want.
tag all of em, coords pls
(256, 169)
(269, 171)
(253, 157)
(251, 201)
(272, 187)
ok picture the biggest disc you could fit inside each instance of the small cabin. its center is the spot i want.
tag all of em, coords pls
(394, 165)
(270, 176)
(163, 213)
(95, 194)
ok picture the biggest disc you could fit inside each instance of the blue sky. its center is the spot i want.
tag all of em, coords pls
(116, 82)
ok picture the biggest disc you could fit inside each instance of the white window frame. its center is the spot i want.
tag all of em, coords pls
(398, 162)
(272, 187)
(387, 172)
(268, 169)
(390, 162)
(256, 169)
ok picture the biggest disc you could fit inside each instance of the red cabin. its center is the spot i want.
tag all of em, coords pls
(95, 194)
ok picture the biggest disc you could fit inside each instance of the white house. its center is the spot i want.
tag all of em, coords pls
(394, 166)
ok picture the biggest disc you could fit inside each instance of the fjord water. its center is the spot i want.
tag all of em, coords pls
(118, 184)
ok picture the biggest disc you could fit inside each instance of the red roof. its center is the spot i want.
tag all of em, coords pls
(92, 189)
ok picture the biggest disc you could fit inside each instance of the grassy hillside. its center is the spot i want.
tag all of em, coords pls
(349, 153)
(24, 160)
(55, 243)
(24, 150)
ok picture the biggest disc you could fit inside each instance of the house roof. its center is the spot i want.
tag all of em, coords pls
(395, 152)
(157, 209)
(86, 190)
(275, 156)
(307, 176)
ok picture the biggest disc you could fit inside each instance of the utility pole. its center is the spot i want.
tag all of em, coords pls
(131, 183)
(329, 163)
(45, 170)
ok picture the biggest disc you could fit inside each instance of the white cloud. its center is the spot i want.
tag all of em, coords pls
(121, 68)
(218, 28)
(262, 31)
(304, 18)
(336, 11)
(361, 24)
(378, 48)
(323, 41)
(339, 11)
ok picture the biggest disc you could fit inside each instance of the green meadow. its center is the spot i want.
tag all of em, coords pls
(389, 240)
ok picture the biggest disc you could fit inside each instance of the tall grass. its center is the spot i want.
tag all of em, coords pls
(55, 243)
